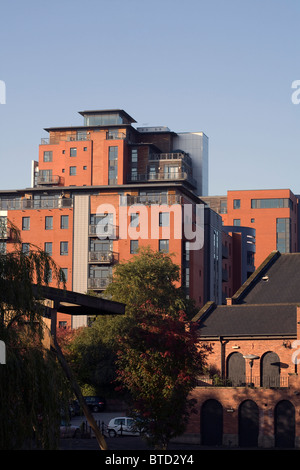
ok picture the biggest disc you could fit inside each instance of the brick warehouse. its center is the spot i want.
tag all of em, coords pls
(250, 396)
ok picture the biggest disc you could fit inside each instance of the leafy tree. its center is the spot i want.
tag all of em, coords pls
(32, 386)
(149, 275)
(158, 362)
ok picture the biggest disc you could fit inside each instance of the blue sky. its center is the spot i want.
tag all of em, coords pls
(221, 67)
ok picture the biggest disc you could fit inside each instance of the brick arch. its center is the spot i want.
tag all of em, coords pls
(248, 416)
(211, 425)
(270, 369)
(236, 369)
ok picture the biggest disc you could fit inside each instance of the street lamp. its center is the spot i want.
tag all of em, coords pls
(251, 358)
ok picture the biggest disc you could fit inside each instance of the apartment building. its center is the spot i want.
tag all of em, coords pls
(272, 213)
(102, 190)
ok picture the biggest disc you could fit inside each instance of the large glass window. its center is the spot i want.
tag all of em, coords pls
(113, 165)
(273, 203)
(283, 235)
(73, 152)
(72, 170)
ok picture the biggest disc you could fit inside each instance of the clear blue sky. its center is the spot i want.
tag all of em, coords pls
(221, 67)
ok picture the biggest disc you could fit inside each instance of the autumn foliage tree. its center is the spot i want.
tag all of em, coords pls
(158, 362)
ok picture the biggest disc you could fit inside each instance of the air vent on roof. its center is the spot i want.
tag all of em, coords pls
(265, 278)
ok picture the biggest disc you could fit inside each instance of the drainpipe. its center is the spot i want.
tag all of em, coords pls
(223, 343)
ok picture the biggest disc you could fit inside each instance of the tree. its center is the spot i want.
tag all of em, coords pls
(32, 385)
(149, 275)
(158, 362)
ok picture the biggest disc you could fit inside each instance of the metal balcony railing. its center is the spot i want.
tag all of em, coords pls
(103, 231)
(171, 156)
(98, 283)
(168, 199)
(54, 140)
(102, 257)
(184, 176)
(48, 179)
(115, 136)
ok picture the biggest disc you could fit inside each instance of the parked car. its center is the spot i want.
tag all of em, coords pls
(122, 425)
(69, 430)
(95, 404)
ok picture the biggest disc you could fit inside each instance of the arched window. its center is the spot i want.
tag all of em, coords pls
(236, 369)
(270, 370)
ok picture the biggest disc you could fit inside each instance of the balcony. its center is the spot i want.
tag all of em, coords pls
(102, 257)
(281, 381)
(44, 203)
(168, 199)
(48, 180)
(104, 231)
(171, 156)
(115, 136)
(54, 140)
(180, 176)
(98, 283)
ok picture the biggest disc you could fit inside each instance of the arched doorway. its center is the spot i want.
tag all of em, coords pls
(236, 369)
(284, 421)
(248, 424)
(270, 370)
(211, 423)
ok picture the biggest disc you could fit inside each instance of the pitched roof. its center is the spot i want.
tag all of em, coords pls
(266, 304)
(250, 320)
(279, 283)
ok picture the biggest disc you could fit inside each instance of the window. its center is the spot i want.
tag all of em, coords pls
(48, 276)
(84, 149)
(2, 248)
(25, 223)
(113, 165)
(48, 222)
(134, 155)
(73, 152)
(252, 221)
(85, 167)
(48, 248)
(72, 170)
(64, 248)
(48, 156)
(164, 245)
(283, 235)
(25, 248)
(64, 221)
(271, 203)
(63, 274)
(236, 203)
(236, 222)
(134, 246)
(164, 219)
(134, 220)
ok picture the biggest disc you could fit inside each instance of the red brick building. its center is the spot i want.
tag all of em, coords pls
(135, 184)
(250, 395)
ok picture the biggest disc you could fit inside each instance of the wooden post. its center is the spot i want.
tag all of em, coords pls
(77, 391)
